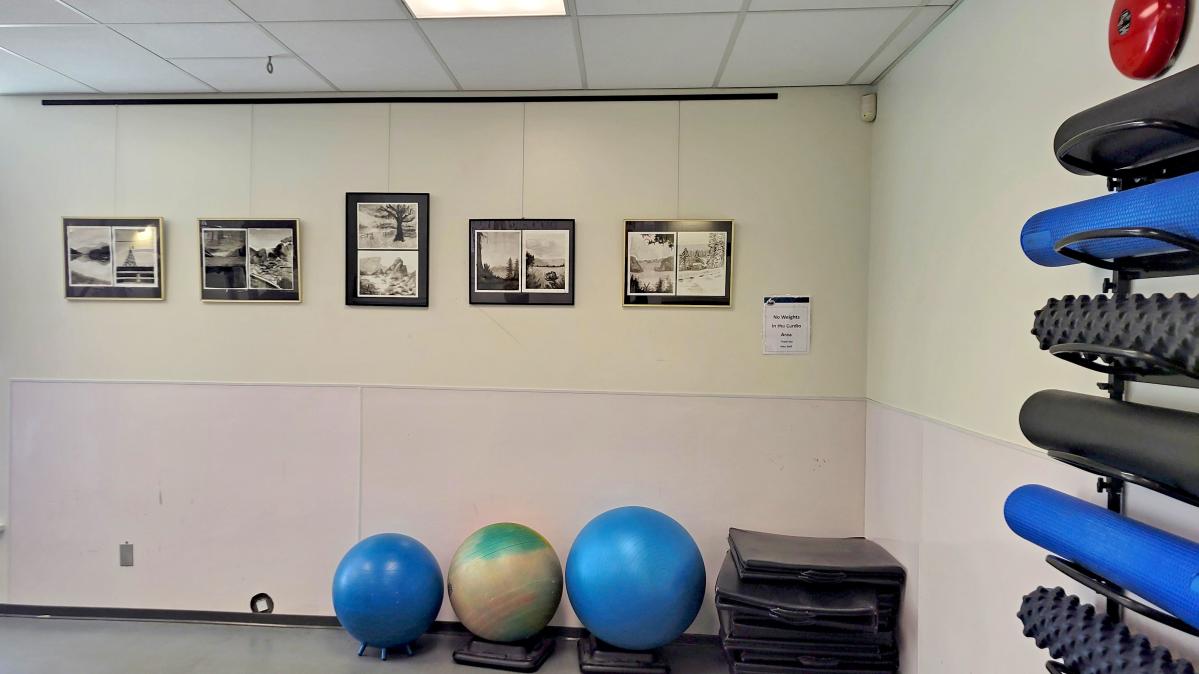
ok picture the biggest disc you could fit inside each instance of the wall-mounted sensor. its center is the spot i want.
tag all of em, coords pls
(126, 554)
(869, 108)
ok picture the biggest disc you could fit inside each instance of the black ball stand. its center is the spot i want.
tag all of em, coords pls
(597, 657)
(518, 656)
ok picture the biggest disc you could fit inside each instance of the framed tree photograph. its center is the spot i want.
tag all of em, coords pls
(522, 262)
(249, 260)
(387, 249)
(678, 263)
(113, 258)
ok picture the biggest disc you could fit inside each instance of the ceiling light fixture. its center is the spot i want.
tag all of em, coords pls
(458, 9)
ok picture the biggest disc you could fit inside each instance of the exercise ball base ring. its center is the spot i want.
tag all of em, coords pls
(407, 648)
(597, 657)
(520, 656)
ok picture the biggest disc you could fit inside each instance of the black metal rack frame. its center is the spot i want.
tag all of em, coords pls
(1143, 170)
(1114, 594)
(1134, 365)
(1124, 366)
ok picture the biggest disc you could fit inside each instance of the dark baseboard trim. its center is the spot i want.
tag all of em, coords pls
(168, 615)
(314, 100)
(448, 627)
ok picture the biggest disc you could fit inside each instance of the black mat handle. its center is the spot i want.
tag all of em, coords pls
(824, 576)
(793, 617)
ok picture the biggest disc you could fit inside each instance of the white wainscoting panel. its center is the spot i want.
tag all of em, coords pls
(225, 491)
(934, 497)
(440, 464)
(228, 490)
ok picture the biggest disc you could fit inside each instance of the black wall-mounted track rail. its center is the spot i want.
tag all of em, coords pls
(345, 100)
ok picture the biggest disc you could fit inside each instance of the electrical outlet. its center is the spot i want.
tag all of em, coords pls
(126, 554)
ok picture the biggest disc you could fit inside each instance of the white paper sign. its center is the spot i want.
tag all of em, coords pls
(786, 324)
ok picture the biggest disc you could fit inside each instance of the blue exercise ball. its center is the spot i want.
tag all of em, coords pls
(387, 590)
(635, 578)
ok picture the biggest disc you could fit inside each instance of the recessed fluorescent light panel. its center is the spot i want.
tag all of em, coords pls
(456, 9)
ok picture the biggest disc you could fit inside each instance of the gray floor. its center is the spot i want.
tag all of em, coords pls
(60, 646)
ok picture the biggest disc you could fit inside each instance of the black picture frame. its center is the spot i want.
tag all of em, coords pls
(228, 258)
(113, 258)
(383, 255)
(675, 239)
(548, 235)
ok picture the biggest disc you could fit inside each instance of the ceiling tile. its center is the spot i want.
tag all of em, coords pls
(186, 40)
(99, 58)
(772, 5)
(807, 48)
(525, 53)
(38, 11)
(19, 76)
(922, 20)
(365, 56)
(654, 51)
(322, 10)
(158, 11)
(593, 7)
(249, 74)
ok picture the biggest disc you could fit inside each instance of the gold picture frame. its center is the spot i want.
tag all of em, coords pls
(90, 267)
(234, 279)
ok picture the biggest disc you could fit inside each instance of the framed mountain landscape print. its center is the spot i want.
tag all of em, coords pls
(387, 249)
(522, 262)
(113, 258)
(249, 260)
(678, 263)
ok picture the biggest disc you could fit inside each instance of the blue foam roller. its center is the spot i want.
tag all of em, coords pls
(1170, 205)
(1151, 563)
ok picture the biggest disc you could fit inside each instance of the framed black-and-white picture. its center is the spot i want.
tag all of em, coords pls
(522, 261)
(249, 260)
(113, 258)
(678, 263)
(387, 249)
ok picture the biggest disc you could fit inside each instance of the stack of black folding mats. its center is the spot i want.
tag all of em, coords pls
(794, 605)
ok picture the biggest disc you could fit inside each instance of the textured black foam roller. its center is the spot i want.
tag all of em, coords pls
(1089, 642)
(1166, 327)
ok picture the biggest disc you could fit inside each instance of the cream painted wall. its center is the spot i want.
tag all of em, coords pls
(799, 168)
(792, 172)
(962, 156)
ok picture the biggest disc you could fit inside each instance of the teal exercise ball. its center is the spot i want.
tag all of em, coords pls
(387, 590)
(635, 578)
